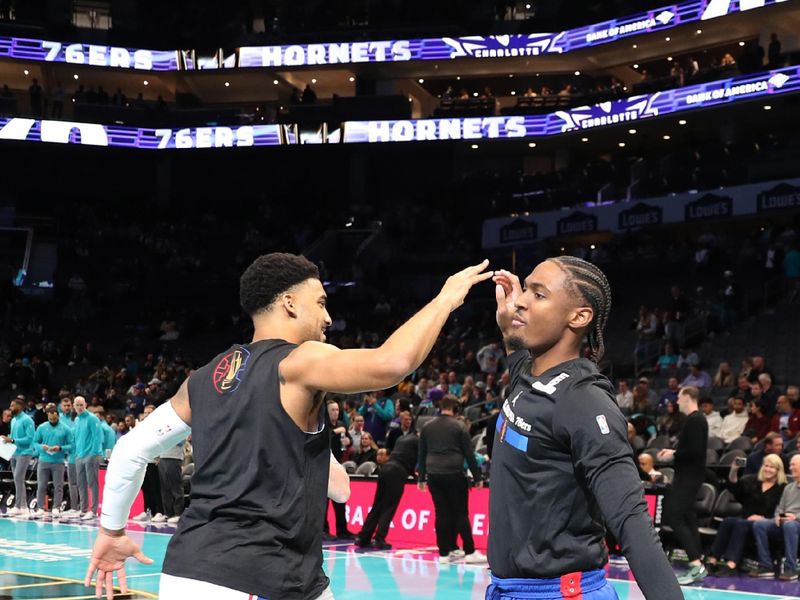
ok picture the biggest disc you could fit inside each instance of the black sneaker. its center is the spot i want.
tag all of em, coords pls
(762, 571)
(723, 570)
(362, 543)
(789, 575)
(381, 544)
(712, 567)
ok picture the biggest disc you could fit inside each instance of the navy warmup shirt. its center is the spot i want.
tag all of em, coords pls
(561, 468)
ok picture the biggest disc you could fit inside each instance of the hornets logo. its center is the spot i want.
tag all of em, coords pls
(229, 371)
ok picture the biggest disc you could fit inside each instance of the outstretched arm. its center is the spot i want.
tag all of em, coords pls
(318, 366)
(164, 428)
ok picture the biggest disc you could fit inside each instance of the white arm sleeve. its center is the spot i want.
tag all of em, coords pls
(156, 434)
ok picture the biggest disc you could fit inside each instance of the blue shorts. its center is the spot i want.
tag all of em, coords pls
(589, 585)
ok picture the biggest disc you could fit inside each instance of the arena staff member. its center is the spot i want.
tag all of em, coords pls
(690, 469)
(561, 464)
(392, 480)
(262, 454)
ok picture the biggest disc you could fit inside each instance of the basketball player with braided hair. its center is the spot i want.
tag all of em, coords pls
(561, 463)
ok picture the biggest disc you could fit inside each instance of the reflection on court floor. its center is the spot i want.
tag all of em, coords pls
(42, 560)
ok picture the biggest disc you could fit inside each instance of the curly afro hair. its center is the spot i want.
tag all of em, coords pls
(271, 275)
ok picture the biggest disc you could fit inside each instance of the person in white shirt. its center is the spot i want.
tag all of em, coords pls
(489, 357)
(712, 416)
(733, 424)
(624, 396)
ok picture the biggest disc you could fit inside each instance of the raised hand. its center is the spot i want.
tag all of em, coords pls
(108, 555)
(456, 287)
(507, 291)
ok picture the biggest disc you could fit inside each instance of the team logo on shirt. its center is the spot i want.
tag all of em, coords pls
(550, 387)
(603, 424)
(229, 371)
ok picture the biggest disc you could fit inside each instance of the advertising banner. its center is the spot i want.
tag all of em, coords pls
(581, 118)
(751, 199)
(341, 53)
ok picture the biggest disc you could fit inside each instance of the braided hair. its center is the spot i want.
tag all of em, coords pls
(590, 285)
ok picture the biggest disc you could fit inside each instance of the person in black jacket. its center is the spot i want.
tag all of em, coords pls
(759, 496)
(690, 460)
(444, 445)
(389, 491)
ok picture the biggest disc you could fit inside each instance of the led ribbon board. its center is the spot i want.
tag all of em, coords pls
(582, 118)
(295, 55)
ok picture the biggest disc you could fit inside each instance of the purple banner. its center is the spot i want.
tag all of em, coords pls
(635, 108)
(475, 47)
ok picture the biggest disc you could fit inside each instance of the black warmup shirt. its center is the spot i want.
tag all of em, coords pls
(444, 444)
(561, 466)
(259, 492)
(690, 452)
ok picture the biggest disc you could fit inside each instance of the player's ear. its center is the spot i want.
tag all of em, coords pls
(581, 317)
(289, 304)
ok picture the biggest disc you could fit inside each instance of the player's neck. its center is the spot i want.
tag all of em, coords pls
(272, 329)
(560, 353)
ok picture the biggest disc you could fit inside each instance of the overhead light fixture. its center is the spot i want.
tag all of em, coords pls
(75, 76)
(352, 79)
(474, 146)
(666, 137)
(227, 84)
(584, 139)
(741, 43)
(458, 78)
(636, 66)
(767, 107)
(632, 131)
(682, 122)
(635, 46)
(313, 80)
(25, 71)
(669, 59)
(510, 75)
(475, 94)
(275, 81)
(621, 144)
(513, 93)
(146, 82)
(421, 80)
(531, 144)
(577, 73)
(699, 31)
(667, 38)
